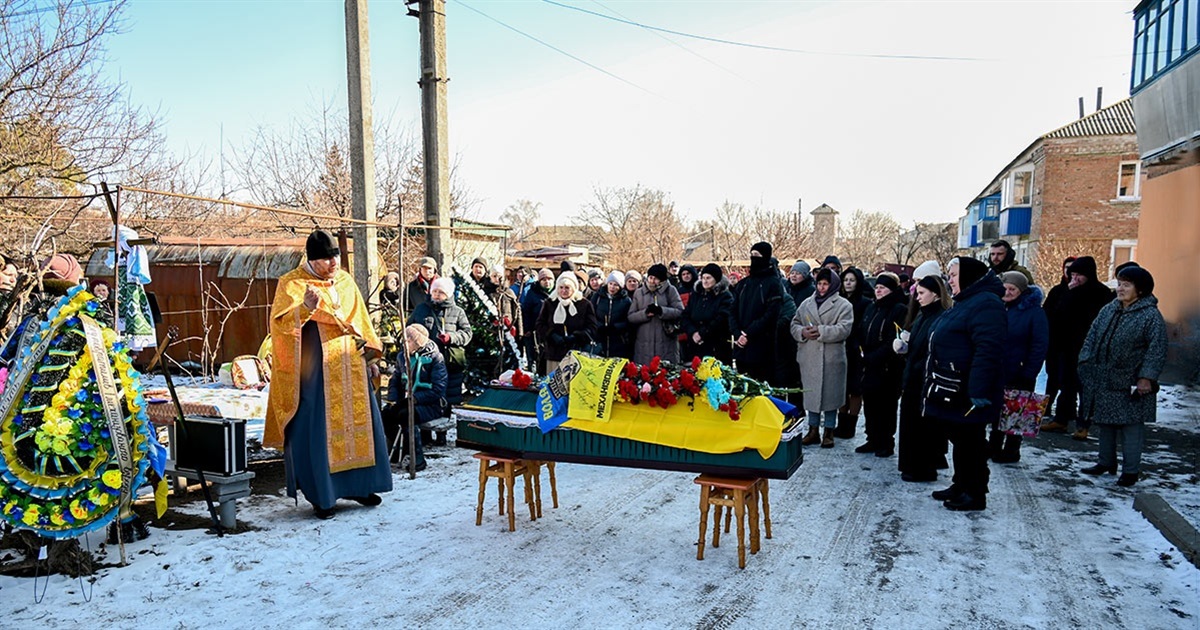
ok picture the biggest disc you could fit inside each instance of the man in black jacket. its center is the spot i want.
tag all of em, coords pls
(1069, 323)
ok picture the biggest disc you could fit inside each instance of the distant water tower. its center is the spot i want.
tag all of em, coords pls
(824, 230)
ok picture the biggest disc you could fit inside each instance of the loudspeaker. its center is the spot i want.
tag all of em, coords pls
(215, 445)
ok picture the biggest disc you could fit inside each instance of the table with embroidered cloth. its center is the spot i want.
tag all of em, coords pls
(211, 400)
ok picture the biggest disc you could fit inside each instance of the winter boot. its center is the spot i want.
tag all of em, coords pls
(812, 437)
(1011, 453)
(827, 440)
(1080, 434)
(846, 425)
(1054, 426)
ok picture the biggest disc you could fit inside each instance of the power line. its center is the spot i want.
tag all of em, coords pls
(672, 42)
(557, 49)
(53, 7)
(731, 42)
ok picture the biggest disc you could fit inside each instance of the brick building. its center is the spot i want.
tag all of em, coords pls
(1165, 84)
(1073, 191)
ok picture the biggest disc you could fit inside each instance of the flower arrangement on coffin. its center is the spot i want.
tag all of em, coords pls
(661, 384)
(516, 379)
(60, 474)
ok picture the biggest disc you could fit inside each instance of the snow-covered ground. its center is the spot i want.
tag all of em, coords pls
(853, 547)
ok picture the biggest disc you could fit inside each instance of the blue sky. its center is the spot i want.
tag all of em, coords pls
(707, 122)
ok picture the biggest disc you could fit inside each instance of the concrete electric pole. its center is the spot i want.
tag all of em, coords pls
(362, 147)
(435, 134)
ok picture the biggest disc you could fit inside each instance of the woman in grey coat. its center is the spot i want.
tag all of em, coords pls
(1119, 366)
(820, 327)
(655, 305)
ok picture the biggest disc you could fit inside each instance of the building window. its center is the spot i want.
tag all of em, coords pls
(991, 208)
(1123, 251)
(1018, 189)
(1165, 32)
(1129, 180)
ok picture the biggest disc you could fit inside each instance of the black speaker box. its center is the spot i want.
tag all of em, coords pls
(215, 445)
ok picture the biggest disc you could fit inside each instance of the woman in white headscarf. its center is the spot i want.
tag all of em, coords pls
(567, 321)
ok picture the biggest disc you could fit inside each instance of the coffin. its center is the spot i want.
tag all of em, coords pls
(502, 420)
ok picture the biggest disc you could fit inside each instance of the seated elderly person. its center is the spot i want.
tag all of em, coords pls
(428, 368)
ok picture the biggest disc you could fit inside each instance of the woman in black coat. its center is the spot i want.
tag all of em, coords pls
(964, 378)
(567, 321)
(754, 319)
(882, 367)
(854, 289)
(706, 317)
(921, 439)
(612, 317)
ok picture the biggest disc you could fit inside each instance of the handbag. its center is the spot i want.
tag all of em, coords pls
(671, 327)
(945, 389)
(1022, 412)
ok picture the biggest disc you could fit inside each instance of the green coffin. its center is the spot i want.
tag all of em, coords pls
(495, 421)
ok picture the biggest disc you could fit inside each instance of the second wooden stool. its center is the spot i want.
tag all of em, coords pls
(504, 470)
(737, 495)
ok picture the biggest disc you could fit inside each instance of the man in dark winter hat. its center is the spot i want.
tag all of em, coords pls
(832, 262)
(418, 288)
(1002, 258)
(1070, 320)
(673, 273)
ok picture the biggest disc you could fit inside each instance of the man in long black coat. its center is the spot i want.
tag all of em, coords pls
(755, 315)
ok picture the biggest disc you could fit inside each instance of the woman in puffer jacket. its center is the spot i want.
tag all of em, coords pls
(1028, 339)
(964, 377)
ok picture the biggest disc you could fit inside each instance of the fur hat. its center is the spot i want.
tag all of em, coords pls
(1141, 279)
(658, 270)
(714, 270)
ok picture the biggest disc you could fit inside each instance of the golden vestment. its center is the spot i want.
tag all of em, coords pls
(344, 325)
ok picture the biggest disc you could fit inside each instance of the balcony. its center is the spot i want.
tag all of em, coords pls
(1016, 221)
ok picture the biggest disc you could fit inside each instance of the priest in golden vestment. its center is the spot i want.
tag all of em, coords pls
(321, 409)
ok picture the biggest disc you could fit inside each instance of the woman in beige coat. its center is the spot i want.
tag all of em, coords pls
(820, 327)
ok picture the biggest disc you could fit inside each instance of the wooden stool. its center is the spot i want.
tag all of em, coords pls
(722, 492)
(536, 472)
(505, 471)
(765, 509)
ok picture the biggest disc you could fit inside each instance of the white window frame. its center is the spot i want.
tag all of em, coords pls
(1131, 243)
(1137, 180)
(1006, 192)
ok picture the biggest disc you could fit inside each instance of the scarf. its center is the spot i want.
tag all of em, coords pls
(835, 285)
(565, 308)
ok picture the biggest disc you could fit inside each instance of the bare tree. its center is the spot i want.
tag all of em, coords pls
(63, 120)
(868, 239)
(521, 216)
(925, 241)
(637, 226)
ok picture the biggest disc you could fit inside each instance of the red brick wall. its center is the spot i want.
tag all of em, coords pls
(1075, 185)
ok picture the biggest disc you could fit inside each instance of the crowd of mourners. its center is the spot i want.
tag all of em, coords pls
(924, 358)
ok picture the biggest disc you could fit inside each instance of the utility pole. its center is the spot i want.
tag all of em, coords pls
(362, 147)
(435, 133)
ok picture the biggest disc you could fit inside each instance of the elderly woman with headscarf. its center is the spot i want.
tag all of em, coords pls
(656, 307)
(1119, 365)
(820, 327)
(567, 321)
(1028, 338)
(448, 325)
(964, 377)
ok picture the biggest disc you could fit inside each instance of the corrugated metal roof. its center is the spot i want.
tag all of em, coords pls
(1114, 120)
(235, 258)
